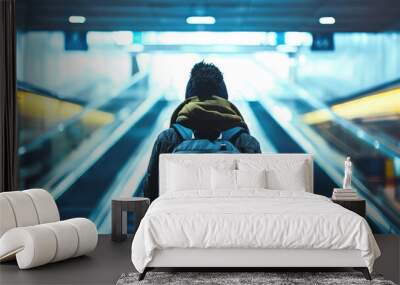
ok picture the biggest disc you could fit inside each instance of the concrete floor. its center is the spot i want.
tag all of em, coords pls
(111, 259)
(103, 266)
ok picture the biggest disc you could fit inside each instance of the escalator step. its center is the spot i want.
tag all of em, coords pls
(283, 143)
(83, 196)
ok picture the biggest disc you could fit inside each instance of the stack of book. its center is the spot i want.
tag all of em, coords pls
(344, 194)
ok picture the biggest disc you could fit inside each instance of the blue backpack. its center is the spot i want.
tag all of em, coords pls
(190, 144)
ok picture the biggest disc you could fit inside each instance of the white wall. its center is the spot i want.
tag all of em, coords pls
(42, 61)
(360, 61)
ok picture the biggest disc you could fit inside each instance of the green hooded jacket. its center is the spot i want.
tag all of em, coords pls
(208, 117)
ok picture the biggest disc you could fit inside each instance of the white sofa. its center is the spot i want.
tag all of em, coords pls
(31, 231)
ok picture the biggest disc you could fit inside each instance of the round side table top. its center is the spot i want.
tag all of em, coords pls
(130, 199)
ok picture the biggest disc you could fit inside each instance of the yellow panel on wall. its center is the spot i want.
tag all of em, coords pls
(41, 113)
(386, 103)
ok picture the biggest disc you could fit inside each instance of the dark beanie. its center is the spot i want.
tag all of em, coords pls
(206, 80)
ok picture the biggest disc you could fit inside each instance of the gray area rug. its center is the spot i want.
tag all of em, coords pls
(228, 278)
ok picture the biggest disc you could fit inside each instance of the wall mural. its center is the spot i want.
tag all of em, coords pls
(90, 112)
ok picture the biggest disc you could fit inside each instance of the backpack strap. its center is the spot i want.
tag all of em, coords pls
(185, 133)
(231, 133)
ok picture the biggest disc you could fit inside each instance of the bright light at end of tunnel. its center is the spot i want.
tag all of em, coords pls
(286, 48)
(122, 37)
(327, 20)
(77, 19)
(282, 113)
(200, 20)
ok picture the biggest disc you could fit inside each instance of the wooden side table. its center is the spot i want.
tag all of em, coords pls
(120, 207)
(357, 206)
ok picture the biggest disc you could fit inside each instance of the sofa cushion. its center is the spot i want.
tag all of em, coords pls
(45, 205)
(7, 220)
(26, 208)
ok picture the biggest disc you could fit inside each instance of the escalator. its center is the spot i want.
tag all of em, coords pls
(51, 127)
(284, 143)
(364, 127)
(56, 131)
(77, 149)
(86, 193)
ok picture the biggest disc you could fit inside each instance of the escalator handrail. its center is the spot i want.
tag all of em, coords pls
(62, 126)
(357, 131)
(379, 88)
(336, 171)
(28, 87)
(104, 146)
(348, 125)
(122, 186)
